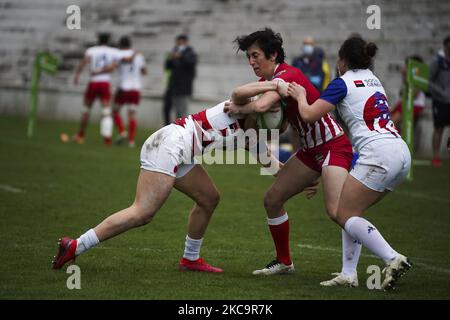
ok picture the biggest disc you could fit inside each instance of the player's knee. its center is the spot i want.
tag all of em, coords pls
(142, 216)
(210, 200)
(272, 200)
(145, 218)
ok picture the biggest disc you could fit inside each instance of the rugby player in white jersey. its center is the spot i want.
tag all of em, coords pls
(128, 93)
(383, 163)
(97, 57)
(166, 163)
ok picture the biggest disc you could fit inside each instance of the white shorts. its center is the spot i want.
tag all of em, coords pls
(165, 151)
(382, 164)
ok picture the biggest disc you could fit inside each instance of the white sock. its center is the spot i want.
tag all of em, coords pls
(363, 231)
(86, 241)
(192, 248)
(106, 123)
(279, 220)
(351, 250)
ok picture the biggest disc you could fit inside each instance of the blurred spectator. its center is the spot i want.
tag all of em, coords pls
(128, 92)
(440, 92)
(181, 63)
(419, 97)
(313, 64)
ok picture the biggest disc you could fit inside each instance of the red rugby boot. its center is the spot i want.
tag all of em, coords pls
(66, 252)
(197, 265)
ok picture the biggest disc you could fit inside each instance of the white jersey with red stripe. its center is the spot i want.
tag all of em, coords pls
(130, 72)
(101, 56)
(311, 134)
(361, 101)
(211, 128)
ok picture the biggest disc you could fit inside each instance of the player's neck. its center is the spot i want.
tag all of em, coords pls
(269, 75)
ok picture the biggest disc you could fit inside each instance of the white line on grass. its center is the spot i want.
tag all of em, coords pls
(8, 188)
(420, 264)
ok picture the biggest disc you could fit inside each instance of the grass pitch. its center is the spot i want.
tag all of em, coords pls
(49, 189)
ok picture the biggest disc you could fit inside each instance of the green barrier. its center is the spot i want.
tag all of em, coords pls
(417, 78)
(46, 62)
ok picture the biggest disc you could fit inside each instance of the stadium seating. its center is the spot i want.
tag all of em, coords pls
(27, 26)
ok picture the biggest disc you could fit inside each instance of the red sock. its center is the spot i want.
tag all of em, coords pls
(280, 235)
(107, 141)
(132, 129)
(118, 121)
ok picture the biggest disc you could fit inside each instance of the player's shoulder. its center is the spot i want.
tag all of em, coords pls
(125, 53)
(91, 50)
(289, 73)
(362, 78)
(113, 50)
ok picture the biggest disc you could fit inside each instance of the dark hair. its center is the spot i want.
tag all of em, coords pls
(446, 41)
(182, 37)
(125, 42)
(103, 38)
(358, 53)
(269, 42)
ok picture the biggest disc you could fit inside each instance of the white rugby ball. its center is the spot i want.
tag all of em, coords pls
(271, 120)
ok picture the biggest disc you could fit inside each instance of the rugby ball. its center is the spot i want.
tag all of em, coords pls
(271, 120)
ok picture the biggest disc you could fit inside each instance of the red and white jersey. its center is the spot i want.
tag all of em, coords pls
(101, 56)
(130, 72)
(311, 134)
(361, 101)
(211, 128)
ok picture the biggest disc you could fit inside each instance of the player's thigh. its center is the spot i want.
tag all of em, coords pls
(153, 189)
(333, 178)
(198, 185)
(292, 179)
(355, 199)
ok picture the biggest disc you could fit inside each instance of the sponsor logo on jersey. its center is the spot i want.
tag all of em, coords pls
(372, 83)
(359, 83)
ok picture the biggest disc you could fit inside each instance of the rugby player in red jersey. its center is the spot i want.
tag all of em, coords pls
(325, 150)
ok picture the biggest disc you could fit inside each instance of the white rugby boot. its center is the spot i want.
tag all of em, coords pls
(394, 271)
(341, 279)
(275, 267)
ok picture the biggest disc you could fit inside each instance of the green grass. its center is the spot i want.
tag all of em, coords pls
(67, 189)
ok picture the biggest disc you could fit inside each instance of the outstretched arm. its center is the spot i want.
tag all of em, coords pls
(309, 113)
(242, 94)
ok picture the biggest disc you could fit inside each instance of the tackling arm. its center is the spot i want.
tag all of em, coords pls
(309, 113)
(242, 94)
(260, 105)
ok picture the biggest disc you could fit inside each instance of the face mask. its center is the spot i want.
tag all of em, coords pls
(308, 49)
(181, 48)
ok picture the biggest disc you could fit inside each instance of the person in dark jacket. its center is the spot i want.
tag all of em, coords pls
(313, 64)
(439, 86)
(180, 67)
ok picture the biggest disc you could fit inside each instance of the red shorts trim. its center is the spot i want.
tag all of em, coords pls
(337, 152)
(95, 90)
(131, 97)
